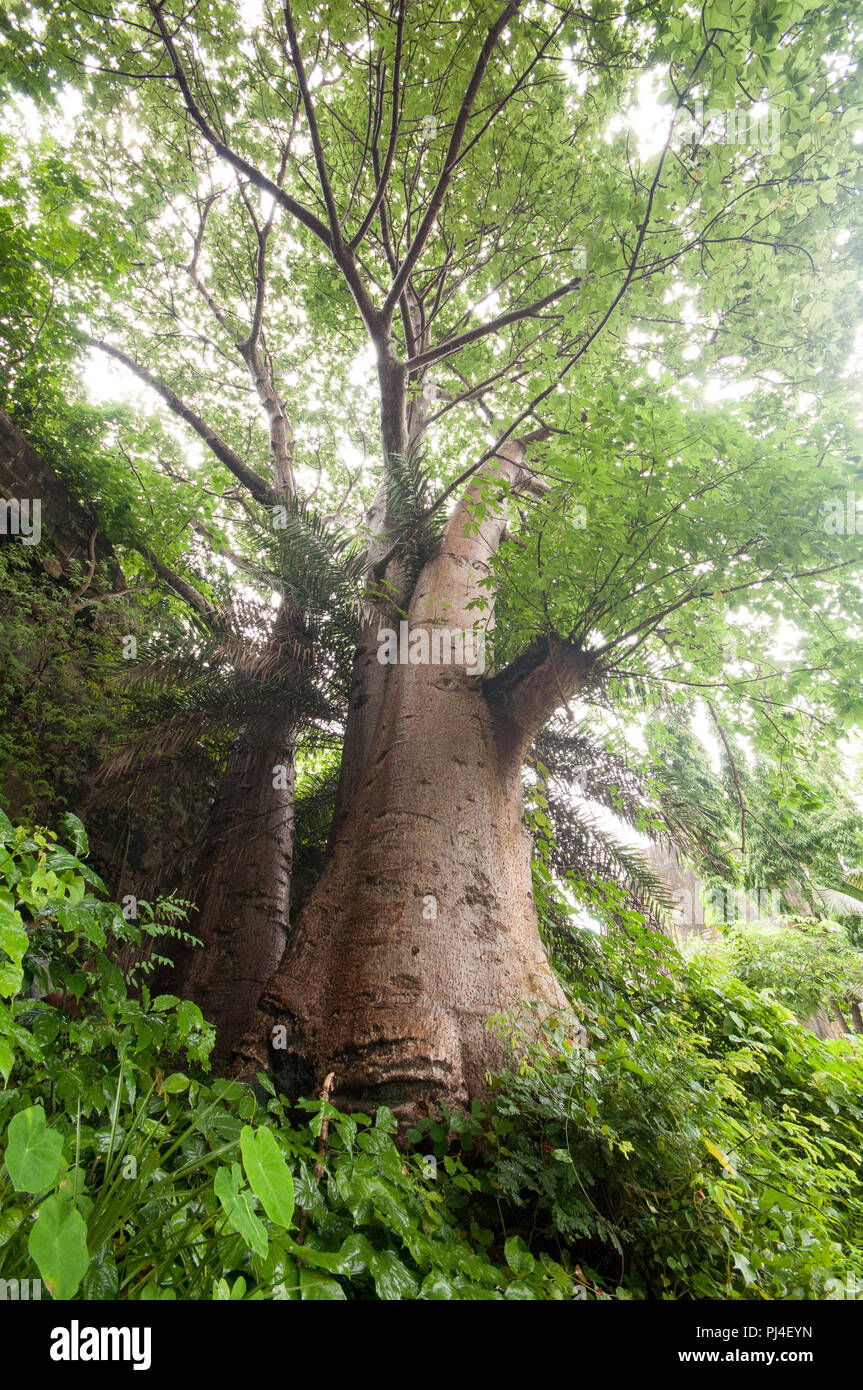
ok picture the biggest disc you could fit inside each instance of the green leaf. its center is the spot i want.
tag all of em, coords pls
(77, 834)
(34, 1153)
(268, 1174)
(9, 1223)
(101, 1282)
(392, 1279)
(517, 1255)
(173, 1084)
(437, 1287)
(58, 1245)
(14, 941)
(717, 1154)
(743, 1264)
(319, 1288)
(238, 1208)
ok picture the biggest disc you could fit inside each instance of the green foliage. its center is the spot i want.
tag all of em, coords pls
(58, 1245)
(142, 1184)
(57, 660)
(61, 941)
(33, 1153)
(268, 1175)
(702, 1144)
(807, 965)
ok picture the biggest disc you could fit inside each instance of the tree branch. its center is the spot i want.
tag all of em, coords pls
(343, 254)
(257, 486)
(298, 210)
(449, 346)
(741, 801)
(314, 133)
(202, 607)
(526, 693)
(383, 176)
(415, 249)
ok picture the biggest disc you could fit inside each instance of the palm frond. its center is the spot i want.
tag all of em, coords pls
(583, 849)
(409, 495)
(317, 567)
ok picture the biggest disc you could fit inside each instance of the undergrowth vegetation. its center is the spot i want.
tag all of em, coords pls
(702, 1144)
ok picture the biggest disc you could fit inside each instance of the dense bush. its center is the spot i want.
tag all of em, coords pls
(702, 1145)
(122, 1179)
(807, 965)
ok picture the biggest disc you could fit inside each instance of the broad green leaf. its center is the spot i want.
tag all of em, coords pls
(239, 1210)
(74, 828)
(34, 1153)
(175, 1083)
(58, 1245)
(14, 941)
(517, 1255)
(268, 1174)
(392, 1279)
(101, 1282)
(318, 1288)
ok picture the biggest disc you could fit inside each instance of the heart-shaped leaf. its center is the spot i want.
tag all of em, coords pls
(58, 1245)
(34, 1153)
(239, 1211)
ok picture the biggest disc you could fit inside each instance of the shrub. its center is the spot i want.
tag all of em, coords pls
(701, 1145)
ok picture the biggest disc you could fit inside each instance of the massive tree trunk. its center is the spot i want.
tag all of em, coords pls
(423, 923)
(243, 883)
(243, 877)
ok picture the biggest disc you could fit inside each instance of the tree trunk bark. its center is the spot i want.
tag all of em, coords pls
(243, 884)
(423, 923)
(243, 878)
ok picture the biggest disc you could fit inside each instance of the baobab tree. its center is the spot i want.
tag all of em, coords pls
(589, 272)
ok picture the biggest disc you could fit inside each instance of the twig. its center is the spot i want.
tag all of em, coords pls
(318, 1170)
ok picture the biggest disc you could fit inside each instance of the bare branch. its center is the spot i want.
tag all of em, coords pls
(254, 175)
(482, 330)
(314, 133)
(383, 176)
(741, 800)
(202, 607)
(257, 486)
